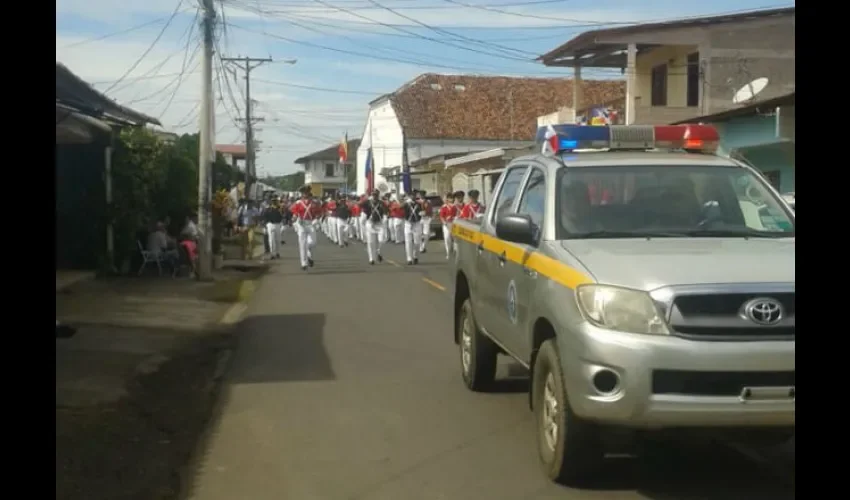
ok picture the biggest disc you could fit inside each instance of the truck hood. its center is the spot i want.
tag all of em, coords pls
(647, 264)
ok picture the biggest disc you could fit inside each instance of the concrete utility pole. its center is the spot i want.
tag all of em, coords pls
(247, 64)
(205, 158)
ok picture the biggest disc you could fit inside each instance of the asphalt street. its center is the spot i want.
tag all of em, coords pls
(346, 385)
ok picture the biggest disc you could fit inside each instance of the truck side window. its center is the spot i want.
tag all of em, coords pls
(533, 199)
(508, 192)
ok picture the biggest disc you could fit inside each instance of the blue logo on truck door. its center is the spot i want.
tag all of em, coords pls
(512, 312)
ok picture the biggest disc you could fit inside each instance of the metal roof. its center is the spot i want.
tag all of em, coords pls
(578, 50)
(72, 91)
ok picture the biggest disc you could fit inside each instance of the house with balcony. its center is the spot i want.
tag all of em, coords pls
(234, 154)
(323, 171)
(412, 132)
(678, 70)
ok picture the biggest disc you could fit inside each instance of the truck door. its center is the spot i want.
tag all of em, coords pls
(532, 202)
(494, 273)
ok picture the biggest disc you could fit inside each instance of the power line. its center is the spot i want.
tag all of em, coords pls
(120, 32)
(150, 47)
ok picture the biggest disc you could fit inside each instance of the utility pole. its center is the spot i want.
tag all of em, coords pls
(247, 64)
(205, 158)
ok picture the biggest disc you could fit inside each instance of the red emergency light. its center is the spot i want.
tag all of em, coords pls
(570, 137)
(702, 138)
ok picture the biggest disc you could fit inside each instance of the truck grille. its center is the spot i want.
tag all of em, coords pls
(717, 316)
(726, 304)
(695, 383)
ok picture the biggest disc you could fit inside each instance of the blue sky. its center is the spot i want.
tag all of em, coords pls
(347, 51)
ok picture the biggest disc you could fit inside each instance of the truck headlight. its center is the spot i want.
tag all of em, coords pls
(620, 309)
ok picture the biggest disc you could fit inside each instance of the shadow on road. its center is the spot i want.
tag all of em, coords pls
(281, 348)
(691, 471)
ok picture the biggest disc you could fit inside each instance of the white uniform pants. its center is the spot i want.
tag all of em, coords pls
(306, 241)
(361, 227)
(426, 232)
(447, 238)
(412, 239)
(332, 223)
(273, 232)
(375, 236)
(397, 228)
(341, 231)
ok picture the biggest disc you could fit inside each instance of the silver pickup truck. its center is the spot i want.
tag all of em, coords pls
(643, 289)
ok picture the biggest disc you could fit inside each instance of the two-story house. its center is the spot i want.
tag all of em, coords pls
(435, 117)
(323, 171)
(679, 70)
(735, 71)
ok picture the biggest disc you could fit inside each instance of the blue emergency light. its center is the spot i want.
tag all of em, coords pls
(569, 137)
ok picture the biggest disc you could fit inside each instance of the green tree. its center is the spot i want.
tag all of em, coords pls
(153, 180)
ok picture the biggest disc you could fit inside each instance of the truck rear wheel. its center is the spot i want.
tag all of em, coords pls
(570, 449)
(477, 352)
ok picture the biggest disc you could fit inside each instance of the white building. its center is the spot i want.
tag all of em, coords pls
(436, 116)
(323, 171)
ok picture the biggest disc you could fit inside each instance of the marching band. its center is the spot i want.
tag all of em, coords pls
(370, 219)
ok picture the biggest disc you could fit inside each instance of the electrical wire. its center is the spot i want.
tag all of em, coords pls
(150, 47)
(120, 32)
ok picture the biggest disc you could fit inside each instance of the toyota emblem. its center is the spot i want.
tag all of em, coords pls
(764, 311)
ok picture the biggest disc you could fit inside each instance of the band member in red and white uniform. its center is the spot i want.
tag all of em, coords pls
(330, 219)
(448, 212)
(472, 209)
(305, 214)
(428, 213)
(396, 225)
(355, 219)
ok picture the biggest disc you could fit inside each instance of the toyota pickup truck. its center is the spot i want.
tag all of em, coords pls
(647, 284)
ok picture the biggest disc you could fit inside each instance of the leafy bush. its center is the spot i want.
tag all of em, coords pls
(153, 179)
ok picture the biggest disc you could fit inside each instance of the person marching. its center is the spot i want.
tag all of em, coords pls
(448, 212)
(305, 212)
(273, 219)
(354, 220)
(330, 213)
(396, 224)
(285, 205)
(426, 221)
(413, 211)
(342, 214)
(472, 209)
(373, 211)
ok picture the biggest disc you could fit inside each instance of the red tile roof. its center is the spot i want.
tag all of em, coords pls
(434, 106)
(232, 149)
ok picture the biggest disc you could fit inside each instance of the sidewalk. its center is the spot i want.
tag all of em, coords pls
(135, 386)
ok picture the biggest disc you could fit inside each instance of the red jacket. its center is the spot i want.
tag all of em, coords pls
(396, 210)
(306, 210)
(470, 210)
(448, 212)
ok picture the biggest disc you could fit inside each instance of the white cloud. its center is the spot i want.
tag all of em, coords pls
(294, 125)
(436, 14)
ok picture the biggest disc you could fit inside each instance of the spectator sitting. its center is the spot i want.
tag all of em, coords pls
(190, 230)
(159, 243)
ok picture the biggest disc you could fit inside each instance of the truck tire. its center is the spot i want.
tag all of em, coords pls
(477, 352)
(570, 449)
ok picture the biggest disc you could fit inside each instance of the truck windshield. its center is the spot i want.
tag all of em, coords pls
(667, 201)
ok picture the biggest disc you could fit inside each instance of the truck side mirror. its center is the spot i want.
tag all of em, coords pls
(516, 228)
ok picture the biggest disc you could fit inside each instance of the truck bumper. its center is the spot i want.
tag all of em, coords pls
(665, 381)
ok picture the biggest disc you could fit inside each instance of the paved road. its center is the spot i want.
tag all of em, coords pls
(346, 386)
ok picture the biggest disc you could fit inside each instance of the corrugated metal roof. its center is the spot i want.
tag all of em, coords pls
(73, 91)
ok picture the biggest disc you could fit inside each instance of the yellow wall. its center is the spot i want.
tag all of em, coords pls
(676, 57)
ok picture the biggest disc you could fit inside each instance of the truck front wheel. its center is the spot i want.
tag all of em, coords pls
(477, 352)
(570, 449)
